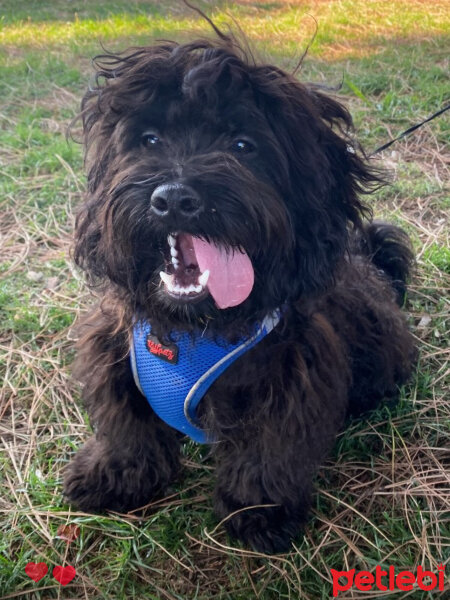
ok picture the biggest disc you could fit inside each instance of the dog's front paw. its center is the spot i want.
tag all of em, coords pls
(100, 478)
(270, 530)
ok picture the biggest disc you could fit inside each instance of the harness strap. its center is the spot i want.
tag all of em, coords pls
(175, 377)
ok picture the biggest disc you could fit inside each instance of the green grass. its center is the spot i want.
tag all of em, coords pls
(383, 498)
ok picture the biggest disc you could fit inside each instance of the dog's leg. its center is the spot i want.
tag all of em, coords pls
(133, 455)
(264, 521)
(274, 472)
(273, 454)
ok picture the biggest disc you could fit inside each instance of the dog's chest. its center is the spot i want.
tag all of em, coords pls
(174, 377)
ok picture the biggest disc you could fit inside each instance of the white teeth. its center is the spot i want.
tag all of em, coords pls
(172, 241)
(203, 279)
(177, 289)
(167, 279)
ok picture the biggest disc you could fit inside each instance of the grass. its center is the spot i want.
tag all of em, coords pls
(384, 496)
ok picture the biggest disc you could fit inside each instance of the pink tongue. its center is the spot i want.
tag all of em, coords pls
(231, 274)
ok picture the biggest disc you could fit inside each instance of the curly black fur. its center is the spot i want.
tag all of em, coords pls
(292, 201)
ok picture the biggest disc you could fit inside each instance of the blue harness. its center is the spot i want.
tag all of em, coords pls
(175, 377)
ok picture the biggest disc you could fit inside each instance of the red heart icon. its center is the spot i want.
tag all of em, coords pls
(36, 570)
(64, 574)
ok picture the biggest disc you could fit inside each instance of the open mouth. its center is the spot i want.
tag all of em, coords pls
(196, 268)
(183, 279)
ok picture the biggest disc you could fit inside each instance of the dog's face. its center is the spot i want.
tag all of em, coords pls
(217, 188)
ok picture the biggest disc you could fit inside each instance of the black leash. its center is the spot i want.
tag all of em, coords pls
(411, 129)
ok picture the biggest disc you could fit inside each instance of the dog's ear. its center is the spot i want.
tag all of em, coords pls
(327, 173)
(122, 84)
(99, 155)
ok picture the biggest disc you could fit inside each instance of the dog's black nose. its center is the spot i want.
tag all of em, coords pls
(172, 198)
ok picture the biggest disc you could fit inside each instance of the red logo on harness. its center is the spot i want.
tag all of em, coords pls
(169, 353)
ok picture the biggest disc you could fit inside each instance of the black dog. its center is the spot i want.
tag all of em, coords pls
(223, 209)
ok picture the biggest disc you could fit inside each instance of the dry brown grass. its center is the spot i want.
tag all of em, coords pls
(384, 498)
(408, 471)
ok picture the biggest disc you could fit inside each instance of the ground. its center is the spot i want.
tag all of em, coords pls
(384, 496)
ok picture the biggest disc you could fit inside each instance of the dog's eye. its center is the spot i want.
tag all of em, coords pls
(242, 147)
(151, 139)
